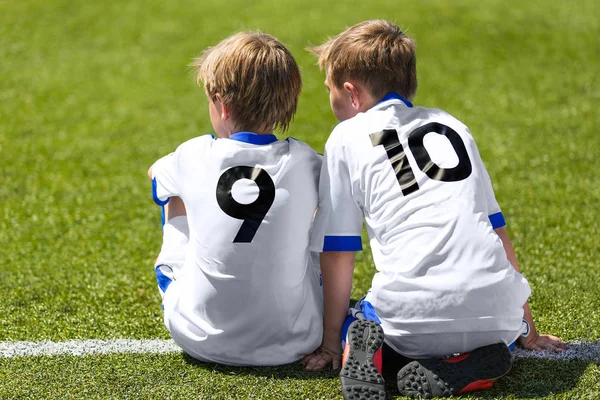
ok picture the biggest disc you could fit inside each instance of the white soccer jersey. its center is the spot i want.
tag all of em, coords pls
(248, 293)
(416, 177)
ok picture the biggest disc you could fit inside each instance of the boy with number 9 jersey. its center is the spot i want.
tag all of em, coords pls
(238, 283)
(447, 279)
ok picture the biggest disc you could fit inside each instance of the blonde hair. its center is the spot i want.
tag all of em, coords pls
(256, 77)
(375, 53)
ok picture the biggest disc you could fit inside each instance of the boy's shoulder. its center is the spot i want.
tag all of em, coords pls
(199, 141)
(194, 144)
(296, 146)
(440, 116)
(362, 123)
(303, 149)
(300, 145)
(378, 119)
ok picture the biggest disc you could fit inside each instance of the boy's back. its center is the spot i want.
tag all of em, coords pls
(248, 289)
(239, 286)
(417, 177)
(448, 280)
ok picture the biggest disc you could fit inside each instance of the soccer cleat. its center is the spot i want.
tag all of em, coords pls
(437, 377)
(361, 363)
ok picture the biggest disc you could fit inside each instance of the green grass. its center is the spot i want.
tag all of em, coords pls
(175, 377)
(91, 93)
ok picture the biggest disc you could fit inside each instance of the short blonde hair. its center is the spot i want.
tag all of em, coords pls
(375, 53)
(256, 76)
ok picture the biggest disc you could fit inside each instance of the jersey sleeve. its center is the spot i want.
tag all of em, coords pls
(168, 173)
(338, 222)
(317, 164)
(493, 209)
(494, 213)
(165, 179)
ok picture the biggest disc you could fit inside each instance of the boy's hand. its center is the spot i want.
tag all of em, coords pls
(320, 358)
(539, 342)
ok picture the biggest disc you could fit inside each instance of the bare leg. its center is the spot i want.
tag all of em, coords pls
(174, 208)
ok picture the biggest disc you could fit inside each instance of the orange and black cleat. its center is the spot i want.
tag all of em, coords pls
(468, 372)
(361, 363)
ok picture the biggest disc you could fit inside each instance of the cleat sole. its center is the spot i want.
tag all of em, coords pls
(359, 376)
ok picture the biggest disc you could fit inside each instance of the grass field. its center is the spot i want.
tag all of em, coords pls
(91, 93)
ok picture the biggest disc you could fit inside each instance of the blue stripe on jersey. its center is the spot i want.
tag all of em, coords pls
(253, 138)
(155, 195)
(342, 243)
(393, 95)
(162, 280)
(497, 220)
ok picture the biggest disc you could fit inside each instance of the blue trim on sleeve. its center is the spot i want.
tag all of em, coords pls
(396, 96)
(253, 138)
(162, 280)
(497, 220)
(155, 195)
(342, 243)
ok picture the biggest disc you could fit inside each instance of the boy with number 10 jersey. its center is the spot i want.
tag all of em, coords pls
(447, 279)
(238, 283)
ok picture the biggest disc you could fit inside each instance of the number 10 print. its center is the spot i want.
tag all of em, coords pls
(397, 156)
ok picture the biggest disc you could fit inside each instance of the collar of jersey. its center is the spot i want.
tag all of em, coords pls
(395, 96)
(253, 138)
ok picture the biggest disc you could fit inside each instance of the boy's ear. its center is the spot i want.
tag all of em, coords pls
(360, 96)
(354, 92)
(221, 107)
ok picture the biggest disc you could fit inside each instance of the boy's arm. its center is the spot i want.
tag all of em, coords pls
(337, 268)
(533, 341)
(336, 235)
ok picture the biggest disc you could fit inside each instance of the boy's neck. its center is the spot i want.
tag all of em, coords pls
(228, 131)
(255, 131)
(368, 103)
(394, 95)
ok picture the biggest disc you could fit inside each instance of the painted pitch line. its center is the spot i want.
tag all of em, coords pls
(86, 347)
(578, 351)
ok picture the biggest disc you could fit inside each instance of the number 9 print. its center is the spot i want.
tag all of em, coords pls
(253, 213)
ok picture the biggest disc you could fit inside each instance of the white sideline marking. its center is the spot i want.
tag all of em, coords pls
(580, 351)
(86, 347)
(577, 351)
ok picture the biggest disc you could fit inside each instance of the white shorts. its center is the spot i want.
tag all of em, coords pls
(448, 343)
(434, 344)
